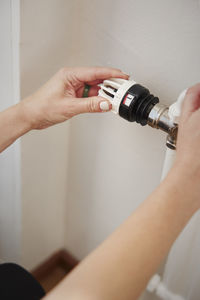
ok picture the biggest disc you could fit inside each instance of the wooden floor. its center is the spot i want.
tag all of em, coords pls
(54, 269)
(53, 278)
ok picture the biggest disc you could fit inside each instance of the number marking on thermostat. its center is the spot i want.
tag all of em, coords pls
(128, 99)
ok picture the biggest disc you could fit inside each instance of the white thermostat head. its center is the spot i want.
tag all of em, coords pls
(130, 100)
(114, 89)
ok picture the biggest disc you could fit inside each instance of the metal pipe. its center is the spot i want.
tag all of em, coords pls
(159, 118)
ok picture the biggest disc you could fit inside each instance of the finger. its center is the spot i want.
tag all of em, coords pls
(95, 73)
(91, 105)
(191, 101)
(93, 91)
(94, 82)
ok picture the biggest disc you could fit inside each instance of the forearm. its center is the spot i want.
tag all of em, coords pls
(56, 101)
(13, 124)
(121, 267)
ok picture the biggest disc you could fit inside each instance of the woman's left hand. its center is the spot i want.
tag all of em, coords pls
(61, 97)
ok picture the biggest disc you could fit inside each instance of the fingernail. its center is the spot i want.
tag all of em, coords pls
(104, 106)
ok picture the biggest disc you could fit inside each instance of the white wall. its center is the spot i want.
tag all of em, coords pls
(114, 164)
(80, 183)
(46, 45)
(10, 204)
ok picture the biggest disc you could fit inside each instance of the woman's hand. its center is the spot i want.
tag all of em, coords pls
(61, 97)
(55, 102)
(188, 144)
(139, 245)
(187, 163)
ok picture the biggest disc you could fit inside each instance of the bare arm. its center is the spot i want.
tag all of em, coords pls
(55, 102)
(12, 126)
(121, 267)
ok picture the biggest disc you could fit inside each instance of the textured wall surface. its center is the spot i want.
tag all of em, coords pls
(44, 49)
(112, 165)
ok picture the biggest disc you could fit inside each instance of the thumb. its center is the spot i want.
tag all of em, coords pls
(191, 101)
(92, 104)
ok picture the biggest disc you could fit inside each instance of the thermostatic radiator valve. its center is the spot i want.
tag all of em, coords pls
(134, 102)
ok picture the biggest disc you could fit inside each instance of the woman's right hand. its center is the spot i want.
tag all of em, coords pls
(188, 142)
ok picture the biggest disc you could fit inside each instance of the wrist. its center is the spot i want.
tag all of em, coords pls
(13, 124)
(27, 113)
(22, 118)
(185, 185)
